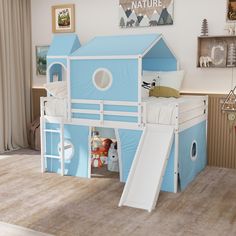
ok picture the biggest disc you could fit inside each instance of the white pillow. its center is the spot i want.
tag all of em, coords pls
(57, 89)
(171, 79)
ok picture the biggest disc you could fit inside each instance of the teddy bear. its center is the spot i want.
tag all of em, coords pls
(113, 160)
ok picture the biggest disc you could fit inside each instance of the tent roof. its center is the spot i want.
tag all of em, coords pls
(63, 45)
(123, 45)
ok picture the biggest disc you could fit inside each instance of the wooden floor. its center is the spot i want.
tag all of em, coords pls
(14, 230)
(72, 206)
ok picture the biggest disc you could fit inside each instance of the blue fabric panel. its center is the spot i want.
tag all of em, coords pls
(160, 64)
(105, 107)
(189, 169)
(78, 165)
(56, 69)
(117, 45)
(120, 108)
(86, 116)
(168, 180)
(121, 118)
(52, 140)
(160, 50)
(52, 126)
(124, 84)
(129, 140)
(76, 45)
(56, 61)
(63, 45)
(85, 106)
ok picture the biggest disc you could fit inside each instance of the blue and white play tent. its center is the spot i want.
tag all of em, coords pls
(125, 57)
(62, 46)
(104, 90)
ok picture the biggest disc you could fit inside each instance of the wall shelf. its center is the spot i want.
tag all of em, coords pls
(218, 49)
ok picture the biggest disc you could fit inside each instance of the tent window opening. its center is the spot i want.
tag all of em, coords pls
(102, 79)
(68, 149)
(193, 152)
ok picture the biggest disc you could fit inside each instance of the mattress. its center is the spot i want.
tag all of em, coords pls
(163, 110)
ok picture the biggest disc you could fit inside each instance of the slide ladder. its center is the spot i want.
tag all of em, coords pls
(62, 147)
(148, 168)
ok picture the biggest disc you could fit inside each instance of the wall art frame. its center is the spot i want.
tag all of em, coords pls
(63, 18)
(145, 13)
(41, 59)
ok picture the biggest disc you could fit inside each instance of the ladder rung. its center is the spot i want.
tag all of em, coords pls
(52, 156)
(52, 131)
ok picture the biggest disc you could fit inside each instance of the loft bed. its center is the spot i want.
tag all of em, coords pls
(104, 89)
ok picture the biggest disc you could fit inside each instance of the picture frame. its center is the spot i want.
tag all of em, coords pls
(231, 11)
(139, 13)
(213, 51)
(41, 59)
(63, 18)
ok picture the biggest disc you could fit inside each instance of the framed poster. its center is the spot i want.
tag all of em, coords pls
(145, 13)
(231, 10)
(41, 59)
(63, 18)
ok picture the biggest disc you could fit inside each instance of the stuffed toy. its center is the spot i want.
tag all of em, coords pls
(148, 86)
(113, 160)
(96, 162)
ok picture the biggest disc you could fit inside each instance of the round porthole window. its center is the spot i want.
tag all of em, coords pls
(193, 151)
(102, 79)
(68, 149)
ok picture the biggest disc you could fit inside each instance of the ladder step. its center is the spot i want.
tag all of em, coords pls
(52, 131)
(52, 156)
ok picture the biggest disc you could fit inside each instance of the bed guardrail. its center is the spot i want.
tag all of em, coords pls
(62, 102)
(123, 113)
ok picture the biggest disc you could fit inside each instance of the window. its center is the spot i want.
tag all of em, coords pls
(102, 79)
(68, 149)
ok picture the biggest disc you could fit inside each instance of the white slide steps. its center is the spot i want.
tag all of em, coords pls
(148, 168)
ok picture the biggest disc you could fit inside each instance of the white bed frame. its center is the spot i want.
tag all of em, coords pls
(187, 114)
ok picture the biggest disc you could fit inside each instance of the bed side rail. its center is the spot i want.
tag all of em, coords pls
(192, 112)
(43, 110)
(103, 112)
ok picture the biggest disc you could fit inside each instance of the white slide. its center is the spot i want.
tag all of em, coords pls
(148, 168)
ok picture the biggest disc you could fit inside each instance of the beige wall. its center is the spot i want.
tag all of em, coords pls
(100, 17)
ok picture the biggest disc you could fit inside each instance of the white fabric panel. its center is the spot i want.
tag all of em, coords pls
(172, 79)
(160, 110)
(56, 107)
(57, 89)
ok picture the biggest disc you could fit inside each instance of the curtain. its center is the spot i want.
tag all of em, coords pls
(15, 73)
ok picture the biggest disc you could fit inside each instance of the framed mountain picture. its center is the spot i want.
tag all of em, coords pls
(145, 13)
(41, 59)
